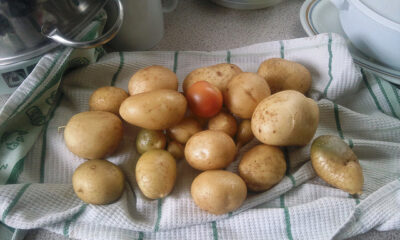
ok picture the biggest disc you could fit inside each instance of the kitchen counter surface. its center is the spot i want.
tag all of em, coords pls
(204, 26)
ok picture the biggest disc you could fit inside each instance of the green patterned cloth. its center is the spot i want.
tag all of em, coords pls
(36, 167)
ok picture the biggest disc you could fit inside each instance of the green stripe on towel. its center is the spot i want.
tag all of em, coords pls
(16, 171)
(175, 61)
(215, 231)
(121, 64)
(282, 49)
(159, 208)
(385, 94)
(287, 217)
(329, 64)
(73, 219)
(365, 79)
(14, 201)
(141, 235)
(228, 56)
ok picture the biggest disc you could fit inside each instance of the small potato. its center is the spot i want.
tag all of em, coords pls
(152, 78)
(210, 149)
(282, 74)
(335, 162)
(94, 134)
(262, 167)
(150, 139)
(286, 118)
(223, 122)
(107, 99)
(244, 133)
(156, 110)
(184, 130)
(176, 149)
(98, 182)
(218, 75)
(156, 173)
(218, 191)
(244, 92)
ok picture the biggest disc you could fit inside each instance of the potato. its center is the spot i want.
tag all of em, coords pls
(282, 74)
(244, 133)
(107, 99)
(244, 92)
(176, 149)
(335, 162)
(210, 149)
(155, 110)
(94, 134)
(286, 118)
(152, 78)
(156, 173)
(262, 167)
(184, 130)
(150, 139)
(223, 122)
(218, 75)
(98, 182)
(218, 191)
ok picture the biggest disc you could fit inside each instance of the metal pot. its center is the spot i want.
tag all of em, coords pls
(30, 28)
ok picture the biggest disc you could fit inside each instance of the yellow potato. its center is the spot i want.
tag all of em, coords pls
(107, 99)
(218, 191)
(98, 182)
(150, 139)
(335, 162)
(176, 149)
(155, 110)
(244, 133)
(262, 167)
(94, 134)
(156, 173)
(286, 118)
(223, 122)
(218, 75)
(244, 92)
(184, 130)
(210, 149)
(152, 78)
(282, 74)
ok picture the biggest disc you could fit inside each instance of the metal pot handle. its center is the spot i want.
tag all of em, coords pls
(58, 37)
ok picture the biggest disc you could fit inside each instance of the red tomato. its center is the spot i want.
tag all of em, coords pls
(205, 100)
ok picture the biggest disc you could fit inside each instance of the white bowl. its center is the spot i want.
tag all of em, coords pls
(370, 32)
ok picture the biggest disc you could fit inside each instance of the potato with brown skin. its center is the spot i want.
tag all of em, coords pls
(286, 118)
(150, 139)
(262, 167)
(156, 110)
(156, 173)
(98, 182)
(223, 122)
(244, 133)
(335, 162)
(176, 149)
(282, 74)
(152, 78)
(209, 150)
(184, 130)
(218, 75)
(218, 191)
(94, 134)
(107, 99)
(244, 92)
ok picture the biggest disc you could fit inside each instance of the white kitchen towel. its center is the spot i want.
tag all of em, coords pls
(360, 107)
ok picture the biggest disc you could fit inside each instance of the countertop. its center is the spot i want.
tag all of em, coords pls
(204, 26)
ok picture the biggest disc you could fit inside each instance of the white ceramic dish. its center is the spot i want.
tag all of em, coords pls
(321, 16)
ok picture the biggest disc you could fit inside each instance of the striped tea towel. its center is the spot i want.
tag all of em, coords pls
(360, 107)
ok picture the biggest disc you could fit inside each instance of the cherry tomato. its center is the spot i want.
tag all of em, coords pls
(205, 100)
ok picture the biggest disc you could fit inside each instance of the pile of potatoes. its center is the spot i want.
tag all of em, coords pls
(269, 105)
